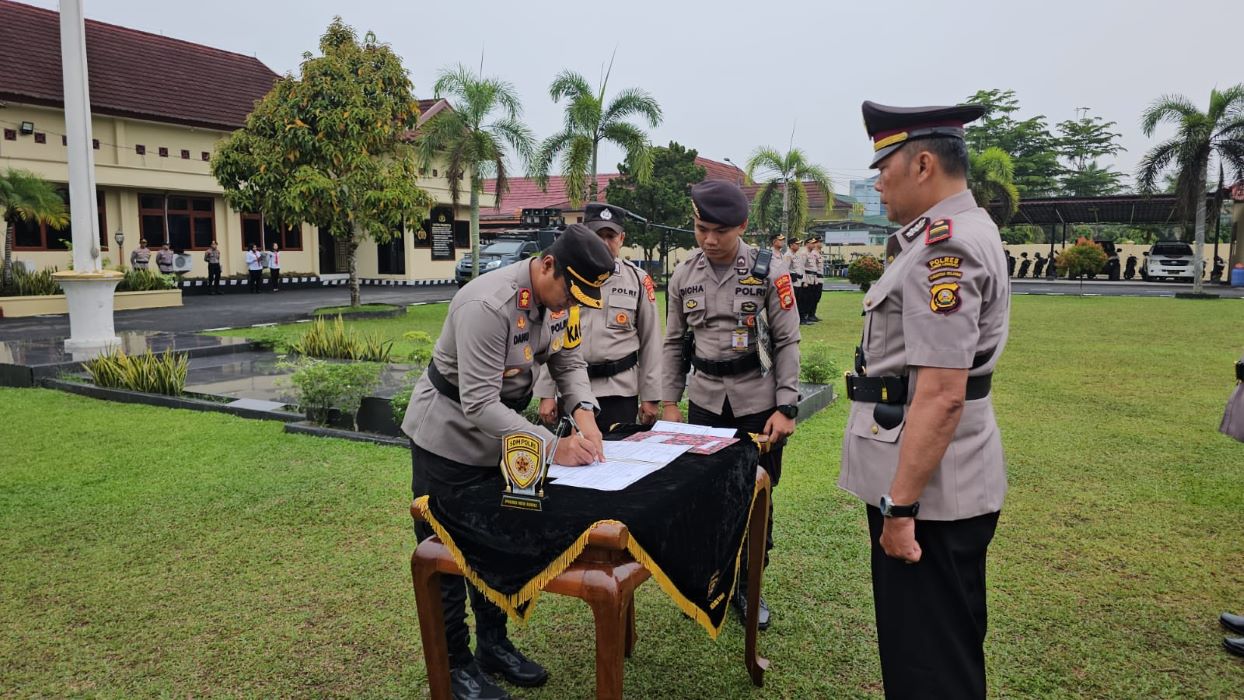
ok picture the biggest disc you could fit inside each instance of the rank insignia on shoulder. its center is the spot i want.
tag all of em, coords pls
(751, 281)
(915, 228)
(938, 231)
(524, 298)
(944, 298)
(650, 288)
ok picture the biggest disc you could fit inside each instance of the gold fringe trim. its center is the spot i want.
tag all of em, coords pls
(530, 591)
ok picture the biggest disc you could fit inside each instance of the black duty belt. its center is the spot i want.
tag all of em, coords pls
(601, 370)
(893, 389)
(449, 391)
(726, 368)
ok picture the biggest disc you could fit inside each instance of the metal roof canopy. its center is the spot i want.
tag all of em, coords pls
(1113, 209)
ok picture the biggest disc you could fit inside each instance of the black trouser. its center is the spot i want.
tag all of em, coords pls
(256, 280)
(274, 275)
(213, 277)
(754, 423)
(431, 474)
(616, 409)
(931, 616)
(804, 297)
(818, 289)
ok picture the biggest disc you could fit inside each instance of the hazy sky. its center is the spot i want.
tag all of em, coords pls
(732, 76)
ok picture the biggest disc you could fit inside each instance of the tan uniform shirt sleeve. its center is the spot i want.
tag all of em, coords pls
(482, 336)
(784, 330)
(674, 380)
(545, 387)
(942, 305)
(650, 345)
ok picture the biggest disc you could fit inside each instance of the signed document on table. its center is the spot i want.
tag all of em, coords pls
(625, 463)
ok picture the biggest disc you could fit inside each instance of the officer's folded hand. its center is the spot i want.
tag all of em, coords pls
(648, 412)
(548, 411)
(671, 413)
(779, 427)
(898, 539)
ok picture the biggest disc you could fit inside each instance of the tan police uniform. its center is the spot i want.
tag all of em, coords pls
(621, 344)
(798, 264)
(721, 310)
(494, 335)
(811, 281)
(942, 302)
(140, 258)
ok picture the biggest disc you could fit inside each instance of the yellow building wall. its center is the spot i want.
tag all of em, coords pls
(122, 174)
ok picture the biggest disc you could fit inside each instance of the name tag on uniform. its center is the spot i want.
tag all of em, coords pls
(738, 339)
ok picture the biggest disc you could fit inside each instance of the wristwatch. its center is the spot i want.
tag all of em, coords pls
(789, 410)
(890, 509)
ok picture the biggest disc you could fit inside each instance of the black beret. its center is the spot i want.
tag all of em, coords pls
(587, 262)
(891, 127)
(719, 202)
(598, 216)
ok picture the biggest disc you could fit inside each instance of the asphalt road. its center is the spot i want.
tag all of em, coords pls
(228, 311)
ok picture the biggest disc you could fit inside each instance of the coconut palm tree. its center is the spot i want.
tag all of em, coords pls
(788, 175)
(25, 196)
(589, 121)
(1201, 136)
(473, 137)
(991, 178)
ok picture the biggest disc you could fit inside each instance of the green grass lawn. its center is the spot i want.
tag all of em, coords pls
(154, 552)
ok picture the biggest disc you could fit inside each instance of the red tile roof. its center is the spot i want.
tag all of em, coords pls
(714, 170)
(132, 73)
(816, 197)
(525, 194)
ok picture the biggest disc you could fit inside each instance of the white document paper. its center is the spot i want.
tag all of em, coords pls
(664, 426)
(625, 463)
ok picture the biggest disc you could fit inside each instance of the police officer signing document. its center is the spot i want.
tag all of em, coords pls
(621, 339)
(729, 295)
(922, 447)
(498, 328)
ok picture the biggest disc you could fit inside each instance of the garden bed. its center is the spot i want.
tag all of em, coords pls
(189, 402)
(50, 304)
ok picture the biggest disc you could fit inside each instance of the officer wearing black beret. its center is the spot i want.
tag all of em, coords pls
(722, 296)
(501, 326)
(922, 447)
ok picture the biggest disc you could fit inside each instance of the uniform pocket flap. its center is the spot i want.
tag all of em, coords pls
(864, 426)
(622, 301)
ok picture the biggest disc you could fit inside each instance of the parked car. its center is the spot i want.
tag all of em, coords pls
(496, 256)
(1169, 260)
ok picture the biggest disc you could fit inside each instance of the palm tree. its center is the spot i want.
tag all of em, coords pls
(789, 174)
(25, 196)
(589, 121)
(473, 137)
(991, 178)
(1218, 131)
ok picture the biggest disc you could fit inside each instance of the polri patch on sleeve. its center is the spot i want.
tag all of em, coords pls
(650, 288)
(944, 298)
(786, 293)
(938, 231)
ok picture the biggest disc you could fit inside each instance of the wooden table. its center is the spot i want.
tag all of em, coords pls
(604, 576)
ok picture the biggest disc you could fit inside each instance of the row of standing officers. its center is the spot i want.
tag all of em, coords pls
(578, 328)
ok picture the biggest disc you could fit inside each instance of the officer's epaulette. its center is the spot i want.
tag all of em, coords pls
(938, 231)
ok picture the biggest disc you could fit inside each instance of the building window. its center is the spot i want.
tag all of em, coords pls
(95, 144)
(140, 150)
(185, 154)
(10, 134)
(391, 256)
(41, 137)
(163, 153)
(206, 156)
(185, 223)
(258, 231)
(31, 235)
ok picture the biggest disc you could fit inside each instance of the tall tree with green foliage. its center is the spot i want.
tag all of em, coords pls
(664, 198)
(1033, 149)
(473, 138)
(591, 120)
(991, 179)
(1201, 136)
(25, 196)
(787, 175)
(331, 147)
(1081, 143)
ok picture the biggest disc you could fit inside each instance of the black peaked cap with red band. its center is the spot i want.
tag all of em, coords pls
(891, 127)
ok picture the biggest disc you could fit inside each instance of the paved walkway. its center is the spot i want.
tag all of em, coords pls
(228, 311)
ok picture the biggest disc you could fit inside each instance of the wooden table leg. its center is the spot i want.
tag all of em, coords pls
(757, 534)
(608, 604)
(427, 583)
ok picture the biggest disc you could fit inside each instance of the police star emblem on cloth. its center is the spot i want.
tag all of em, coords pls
(606, 214)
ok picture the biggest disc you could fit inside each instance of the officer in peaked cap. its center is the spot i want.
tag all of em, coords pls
(621, 337)
(500, 326)
(922, 447)
(722, 295)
